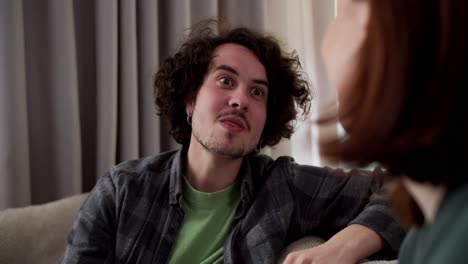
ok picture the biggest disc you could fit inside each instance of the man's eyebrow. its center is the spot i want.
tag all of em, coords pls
(261, 82)
(232, 70)
(226, 68)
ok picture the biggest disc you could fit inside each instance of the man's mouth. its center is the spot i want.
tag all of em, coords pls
(234, 121)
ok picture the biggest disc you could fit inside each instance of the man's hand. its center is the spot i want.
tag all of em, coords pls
(318, 255)
(349, 246)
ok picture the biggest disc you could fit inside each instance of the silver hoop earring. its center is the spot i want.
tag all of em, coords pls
(189, 119)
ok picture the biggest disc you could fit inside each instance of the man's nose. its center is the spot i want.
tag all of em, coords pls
(239, 99)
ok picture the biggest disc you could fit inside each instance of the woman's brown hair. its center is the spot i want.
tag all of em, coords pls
(408, 102)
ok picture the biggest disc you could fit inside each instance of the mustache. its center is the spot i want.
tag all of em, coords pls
(238, 113)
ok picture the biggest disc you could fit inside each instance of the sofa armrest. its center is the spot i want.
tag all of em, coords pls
(37, 234)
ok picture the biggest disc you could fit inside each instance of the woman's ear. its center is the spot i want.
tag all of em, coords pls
(362, 13)
(356, 11)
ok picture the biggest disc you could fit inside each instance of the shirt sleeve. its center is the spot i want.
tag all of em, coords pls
(328, 200)
(92, 237)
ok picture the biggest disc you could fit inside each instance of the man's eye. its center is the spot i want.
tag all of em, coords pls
(257, 92)
(226, 81)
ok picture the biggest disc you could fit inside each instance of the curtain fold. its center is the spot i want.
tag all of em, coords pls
(52, 100)
(148, 59)
(85, 42)
(76, 76)
(106, 79)
(15, 181)
(128, 124)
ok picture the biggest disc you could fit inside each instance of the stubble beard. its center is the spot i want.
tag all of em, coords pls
(213, 144)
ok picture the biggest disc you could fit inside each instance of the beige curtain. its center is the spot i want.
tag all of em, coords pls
(75, 83)
(301, 24)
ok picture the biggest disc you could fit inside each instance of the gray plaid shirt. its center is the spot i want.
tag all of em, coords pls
(135, 210)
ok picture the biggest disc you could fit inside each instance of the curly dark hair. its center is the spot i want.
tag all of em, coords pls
(180, 77)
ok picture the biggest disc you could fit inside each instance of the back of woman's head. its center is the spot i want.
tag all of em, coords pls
(407, 105)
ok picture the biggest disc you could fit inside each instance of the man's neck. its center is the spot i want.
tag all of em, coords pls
(209, 172)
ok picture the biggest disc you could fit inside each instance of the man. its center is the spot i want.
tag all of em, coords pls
(215, 200)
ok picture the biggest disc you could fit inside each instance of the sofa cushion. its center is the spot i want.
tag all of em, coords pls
(37, 234)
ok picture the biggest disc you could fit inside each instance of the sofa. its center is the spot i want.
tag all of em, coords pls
(37, 234)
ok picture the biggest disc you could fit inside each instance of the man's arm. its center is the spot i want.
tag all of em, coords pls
(92, 236)
(350, 208)
(350, 245)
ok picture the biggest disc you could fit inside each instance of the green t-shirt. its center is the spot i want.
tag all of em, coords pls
(208, 217)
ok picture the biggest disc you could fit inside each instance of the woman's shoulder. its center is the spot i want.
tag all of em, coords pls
(444, 240)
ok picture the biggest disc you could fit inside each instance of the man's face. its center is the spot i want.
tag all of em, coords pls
(229, 112)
